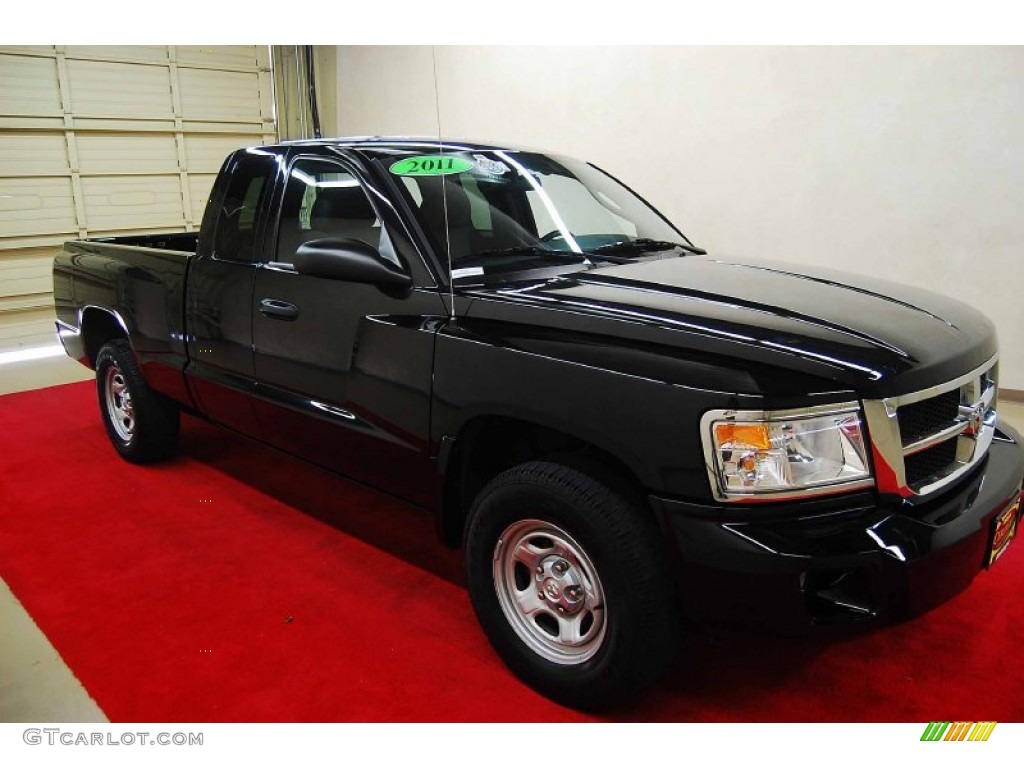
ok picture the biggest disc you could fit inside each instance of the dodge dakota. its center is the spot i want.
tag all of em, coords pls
(624, 435)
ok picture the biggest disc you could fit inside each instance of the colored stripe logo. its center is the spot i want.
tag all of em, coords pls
(959, 731)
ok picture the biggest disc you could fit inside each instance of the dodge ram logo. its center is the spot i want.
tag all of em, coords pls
(977, 420)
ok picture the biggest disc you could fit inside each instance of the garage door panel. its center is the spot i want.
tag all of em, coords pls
(212, 95)
(27, 256)
(33, 154)
(38, 49)
(36, 206)
(113, 202)
(28, 86)
(231, 127)
(28, 328)
(124, 125)
(205, 154)
(17, 244)
(200, 186)
(119, 90)
(155, 53)
(28, 301)
(119, 162)
(20, 276)
(230, 56)
(127, 153)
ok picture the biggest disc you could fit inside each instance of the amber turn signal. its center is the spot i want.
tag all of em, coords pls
(743, 435)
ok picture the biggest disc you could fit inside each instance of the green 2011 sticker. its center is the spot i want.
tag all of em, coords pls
(431, 165)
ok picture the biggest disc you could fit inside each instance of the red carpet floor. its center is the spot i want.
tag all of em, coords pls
(234, 584)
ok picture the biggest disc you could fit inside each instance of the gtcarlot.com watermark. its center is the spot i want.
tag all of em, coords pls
(59, 736)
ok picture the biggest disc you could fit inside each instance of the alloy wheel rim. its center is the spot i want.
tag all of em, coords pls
(550, 592)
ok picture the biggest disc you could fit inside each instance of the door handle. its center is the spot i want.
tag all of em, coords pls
(279, 310)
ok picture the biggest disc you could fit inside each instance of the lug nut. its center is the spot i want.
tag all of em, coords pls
(542, 596)
(561, 567)
(561, 609)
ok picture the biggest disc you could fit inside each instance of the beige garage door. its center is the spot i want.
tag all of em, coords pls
(105, 140)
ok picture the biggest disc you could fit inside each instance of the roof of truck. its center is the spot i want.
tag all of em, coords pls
(408, 143)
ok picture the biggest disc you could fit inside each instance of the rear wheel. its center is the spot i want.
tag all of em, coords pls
(569, 582)
(142, 424)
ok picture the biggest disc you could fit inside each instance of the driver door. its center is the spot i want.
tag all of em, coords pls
(342, 378)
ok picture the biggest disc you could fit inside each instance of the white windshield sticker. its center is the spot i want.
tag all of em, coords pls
(467, 272)
(490, 166)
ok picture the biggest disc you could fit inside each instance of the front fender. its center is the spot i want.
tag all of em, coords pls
(651, 426)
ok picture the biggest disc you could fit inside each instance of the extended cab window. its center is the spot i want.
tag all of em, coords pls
(235, 237)
(322, 200)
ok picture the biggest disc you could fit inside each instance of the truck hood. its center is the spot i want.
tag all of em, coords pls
(876, 337)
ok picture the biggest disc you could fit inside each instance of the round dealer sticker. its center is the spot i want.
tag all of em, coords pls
(431, 165)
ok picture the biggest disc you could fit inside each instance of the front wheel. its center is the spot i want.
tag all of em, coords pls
(142, 424)
(569, 582)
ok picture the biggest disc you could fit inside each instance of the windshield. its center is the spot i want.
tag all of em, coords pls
(511, 211)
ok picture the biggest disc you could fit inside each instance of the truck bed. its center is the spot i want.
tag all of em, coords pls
(138, 282)
(183, 242)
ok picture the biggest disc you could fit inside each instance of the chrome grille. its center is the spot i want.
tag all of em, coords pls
(930, 462)
(918, 420)
(923, 441)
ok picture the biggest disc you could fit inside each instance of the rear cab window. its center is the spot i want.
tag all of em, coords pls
(239, 216)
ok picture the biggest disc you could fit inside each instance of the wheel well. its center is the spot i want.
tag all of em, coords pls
(488, 445)
(99, 327)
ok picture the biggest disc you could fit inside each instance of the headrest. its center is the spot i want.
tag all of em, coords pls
(437, 195)
(347, 203)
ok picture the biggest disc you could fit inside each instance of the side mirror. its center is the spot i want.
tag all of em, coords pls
(346, 259)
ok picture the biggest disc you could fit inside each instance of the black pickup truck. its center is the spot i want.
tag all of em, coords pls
(623, 433)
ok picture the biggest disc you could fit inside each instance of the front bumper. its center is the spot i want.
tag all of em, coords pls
(851, 560)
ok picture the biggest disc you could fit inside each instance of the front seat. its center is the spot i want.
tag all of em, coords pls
(344, 212)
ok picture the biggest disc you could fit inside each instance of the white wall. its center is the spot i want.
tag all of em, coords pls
(904, 162)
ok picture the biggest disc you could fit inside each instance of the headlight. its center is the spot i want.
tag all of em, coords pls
(770, 455)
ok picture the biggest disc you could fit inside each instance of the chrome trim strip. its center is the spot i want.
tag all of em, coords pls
(90, 245)
(981, 447)
(959, 426)
(989, 395)
(71, 340)
(110, 311)
(729, 414)
(938, 389)
(711, 417)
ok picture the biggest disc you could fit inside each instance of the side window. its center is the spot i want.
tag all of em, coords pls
(323, 200)
(235, 238)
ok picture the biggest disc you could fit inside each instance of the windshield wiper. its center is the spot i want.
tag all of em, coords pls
(515, 250)
(646, 244)
(504, 256)
(520, 258)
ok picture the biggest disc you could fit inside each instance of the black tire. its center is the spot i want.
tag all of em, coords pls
(568, 520)
(142, 424)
